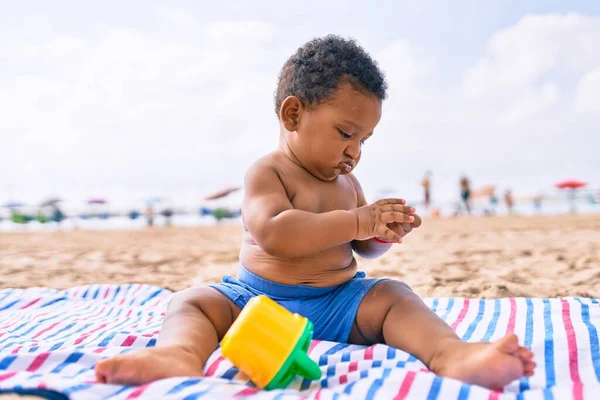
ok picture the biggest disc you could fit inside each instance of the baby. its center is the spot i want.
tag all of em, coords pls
(304, 216)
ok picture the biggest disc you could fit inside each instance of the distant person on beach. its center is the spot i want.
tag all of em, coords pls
(465, 193)
(508, 199)
(57, 214)
(150, 216)
(493, 203)
(537, 204)
(426, 183)
(305, 216)
(168, 214)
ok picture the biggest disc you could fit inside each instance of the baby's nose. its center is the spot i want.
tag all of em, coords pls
(353, 151)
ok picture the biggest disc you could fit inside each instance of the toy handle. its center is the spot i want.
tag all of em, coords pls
(305, 366)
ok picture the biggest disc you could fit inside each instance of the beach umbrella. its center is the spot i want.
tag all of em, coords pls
(13, 204)
(222, 193)
(156, 199)
(96, 200)
(51, 201)
(570, 184)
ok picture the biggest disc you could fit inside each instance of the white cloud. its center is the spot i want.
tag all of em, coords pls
(587, 98)
(527, 53)
(122, 106)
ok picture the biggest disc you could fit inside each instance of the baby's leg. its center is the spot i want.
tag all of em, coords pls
(391, 313)
(196, 320)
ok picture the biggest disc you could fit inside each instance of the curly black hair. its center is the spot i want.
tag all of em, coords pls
(315, 71)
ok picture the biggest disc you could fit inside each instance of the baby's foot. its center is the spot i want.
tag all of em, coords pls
(491, 365)
(150, 364)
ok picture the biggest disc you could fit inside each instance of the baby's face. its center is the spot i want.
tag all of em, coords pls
(330, 137)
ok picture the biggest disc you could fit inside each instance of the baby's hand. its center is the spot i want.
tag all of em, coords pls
(403, 228)
(373, 219)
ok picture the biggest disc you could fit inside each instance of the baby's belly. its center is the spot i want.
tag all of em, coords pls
(328, 268)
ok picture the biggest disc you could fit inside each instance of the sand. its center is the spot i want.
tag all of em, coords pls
(467, 257)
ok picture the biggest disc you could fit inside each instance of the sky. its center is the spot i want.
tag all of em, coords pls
(142, 98)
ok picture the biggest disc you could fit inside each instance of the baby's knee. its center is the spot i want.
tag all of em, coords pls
(388, 293)
(194, 296)
(211, 303)
(394, 288)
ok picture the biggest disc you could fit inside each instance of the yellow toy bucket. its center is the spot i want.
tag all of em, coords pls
(269, 344)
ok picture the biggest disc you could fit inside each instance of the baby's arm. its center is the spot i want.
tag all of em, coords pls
(282, 231)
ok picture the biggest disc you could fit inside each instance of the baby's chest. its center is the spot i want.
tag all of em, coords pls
(320, 198)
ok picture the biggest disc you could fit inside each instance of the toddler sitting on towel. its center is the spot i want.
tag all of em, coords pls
(304, 216)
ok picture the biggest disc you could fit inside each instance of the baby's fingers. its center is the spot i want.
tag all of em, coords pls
(417, 222)
(388, 234)
(396, 216)
(397, 207)
(384, 202)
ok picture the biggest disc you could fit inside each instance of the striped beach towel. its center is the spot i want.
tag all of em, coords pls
(51, 339)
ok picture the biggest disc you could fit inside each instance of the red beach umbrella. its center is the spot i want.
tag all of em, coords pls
(570, 184)
(222, 193)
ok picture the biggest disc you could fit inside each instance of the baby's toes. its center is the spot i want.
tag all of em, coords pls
(105, 369)
(122, 369)
(524, 354)
(528, 368)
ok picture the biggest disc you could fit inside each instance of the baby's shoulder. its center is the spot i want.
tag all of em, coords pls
(267, 164)
(268, 170)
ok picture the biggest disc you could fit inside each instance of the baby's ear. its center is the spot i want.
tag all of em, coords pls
(290, 111)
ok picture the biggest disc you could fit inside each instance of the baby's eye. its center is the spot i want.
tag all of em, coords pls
(362, 142)
(344, 134)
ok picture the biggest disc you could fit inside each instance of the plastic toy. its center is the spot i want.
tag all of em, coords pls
(269, 344)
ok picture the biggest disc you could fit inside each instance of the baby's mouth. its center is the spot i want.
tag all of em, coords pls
(346, 166)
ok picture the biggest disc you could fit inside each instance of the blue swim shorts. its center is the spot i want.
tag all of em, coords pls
(331, 309)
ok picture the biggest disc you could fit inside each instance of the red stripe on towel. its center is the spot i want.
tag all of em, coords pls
(37, 362)
(100, 349)
(406, 384)
(461, 314)
(89, 317)
(495, 395)
(313, 344)
(246, 392)
(45, 330)
(213, 367)
(137, 392)
(7, 375)
(136, 290)
(353, 366)
(87, 334)
(510, 328)
(128, 341)
(572, 346)
(369, 352)
(32, 302)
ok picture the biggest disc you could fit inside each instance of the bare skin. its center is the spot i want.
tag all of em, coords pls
(305, 215)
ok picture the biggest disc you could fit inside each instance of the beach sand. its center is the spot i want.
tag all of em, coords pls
(465, 257)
